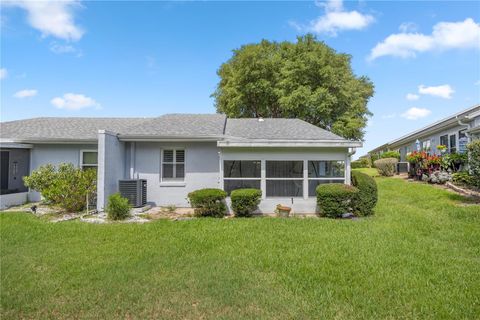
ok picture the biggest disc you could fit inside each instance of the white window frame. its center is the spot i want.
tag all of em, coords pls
(344, 178)
(239, 178)
(285, 179)
(174, 163)
(82, 166)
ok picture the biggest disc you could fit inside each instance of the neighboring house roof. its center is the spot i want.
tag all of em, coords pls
(464, 116)
(229, 132)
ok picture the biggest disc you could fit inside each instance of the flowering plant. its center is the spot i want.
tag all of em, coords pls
(442, 148)
(416, 157)
(433, 160)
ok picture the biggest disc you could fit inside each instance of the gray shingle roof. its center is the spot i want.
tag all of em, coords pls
(170, 125)
(277, 129)
(64, 128)
(180, 125)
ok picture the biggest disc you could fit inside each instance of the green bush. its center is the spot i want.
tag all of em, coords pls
(463, 178)
(390, 154)
(363, 162)
(118, 207)
(335, 199)
(245, 201)
(66, 186)
(386, 167)
(474, 161)
(367, 196)
(208, 202)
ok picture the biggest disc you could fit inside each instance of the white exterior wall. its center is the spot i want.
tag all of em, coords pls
(201, 170)
(111, 166)
(303, 204)
(13, 199)
(55, 154)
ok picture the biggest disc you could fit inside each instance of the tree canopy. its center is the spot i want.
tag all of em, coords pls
(306, 80)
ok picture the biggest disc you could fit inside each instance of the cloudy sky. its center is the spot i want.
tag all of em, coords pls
(75, 58)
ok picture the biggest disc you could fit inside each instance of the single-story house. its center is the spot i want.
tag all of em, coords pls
(454, 132)
(180, 153)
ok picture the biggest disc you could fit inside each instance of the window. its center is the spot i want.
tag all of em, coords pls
(240, 174)
(284, 178)
(320, 172)
(444, 140)
(88, 159)
(453, 143)
(173, 165)
(426, 145)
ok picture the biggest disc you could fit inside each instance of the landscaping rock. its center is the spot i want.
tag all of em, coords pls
(348, 215)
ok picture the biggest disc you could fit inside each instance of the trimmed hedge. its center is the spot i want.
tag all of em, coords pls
(208, 202)
(390, 154)
(363, 162)
(245, 201)
(118, 207)
(386, 167)
(367, 196)
(474, 161)
(335, 199)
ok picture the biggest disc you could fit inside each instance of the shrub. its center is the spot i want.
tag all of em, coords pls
(390, 154)
(367, 196)
(335, 199)
(66, 186)
(118, 207)
(386, 167)
(463, 178)
(245, 201)
(363, 162)
(474, 161)
(208, 202)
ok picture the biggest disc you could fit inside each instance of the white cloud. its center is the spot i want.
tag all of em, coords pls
(443, 91)
(412, 96)
(477, 83)
(445, 35)
(74, 101)
(26, 93)
(408, 27)
(64, 48)
(51, 18)
(3, 73)
(416, 113)
(336, 19)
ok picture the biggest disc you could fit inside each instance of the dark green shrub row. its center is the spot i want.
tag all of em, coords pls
(334, 199)
(208, 202)
(118, 207)
(363, 162)
(367, 196)
(390, 154)
(245, 201)
(463, 178)
(474, 161)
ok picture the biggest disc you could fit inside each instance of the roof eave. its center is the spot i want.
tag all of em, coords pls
(290, 143)
(154, 138)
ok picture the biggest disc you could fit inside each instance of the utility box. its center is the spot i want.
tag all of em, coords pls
(135, 191)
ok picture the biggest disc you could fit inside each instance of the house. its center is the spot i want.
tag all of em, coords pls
(454, 132)
(179, 153)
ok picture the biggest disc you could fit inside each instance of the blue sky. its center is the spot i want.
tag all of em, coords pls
(149, 58)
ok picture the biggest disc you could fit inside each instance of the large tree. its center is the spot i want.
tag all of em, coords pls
(306, 80)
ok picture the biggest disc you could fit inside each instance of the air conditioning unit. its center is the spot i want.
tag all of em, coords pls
(403, 167)
(135, 191)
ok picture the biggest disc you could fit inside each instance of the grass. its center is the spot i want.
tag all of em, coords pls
(417, 258)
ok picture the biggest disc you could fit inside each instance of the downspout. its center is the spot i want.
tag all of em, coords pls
(348, 176)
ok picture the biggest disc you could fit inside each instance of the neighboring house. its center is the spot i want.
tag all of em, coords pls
(179, 153)
(454, 132)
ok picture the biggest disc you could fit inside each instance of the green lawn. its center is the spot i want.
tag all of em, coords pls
(418, 258)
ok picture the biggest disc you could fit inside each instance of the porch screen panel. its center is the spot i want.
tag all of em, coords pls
(241, 174)
(284, 178)
(321, 172)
